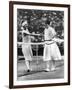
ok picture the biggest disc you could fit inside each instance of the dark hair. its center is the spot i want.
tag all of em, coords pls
(48, 22)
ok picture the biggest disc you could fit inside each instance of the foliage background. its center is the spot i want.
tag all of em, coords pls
(36, 20)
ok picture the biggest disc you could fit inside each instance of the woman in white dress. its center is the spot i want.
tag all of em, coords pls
(51, 50)
(26, 47)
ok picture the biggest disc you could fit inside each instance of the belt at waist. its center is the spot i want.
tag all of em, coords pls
(49, 42)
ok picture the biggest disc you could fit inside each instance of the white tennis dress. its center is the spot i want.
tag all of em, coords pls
(51, 50)
(26, 47)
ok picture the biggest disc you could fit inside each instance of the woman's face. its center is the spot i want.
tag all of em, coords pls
(46, 26)
(43, 24)
(26, 25)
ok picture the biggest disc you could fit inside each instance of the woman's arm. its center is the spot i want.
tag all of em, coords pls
(25, 31)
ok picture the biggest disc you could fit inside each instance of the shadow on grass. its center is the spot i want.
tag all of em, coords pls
(29, 73)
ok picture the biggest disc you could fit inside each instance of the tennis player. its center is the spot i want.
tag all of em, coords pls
(51, 50)
(26, 47)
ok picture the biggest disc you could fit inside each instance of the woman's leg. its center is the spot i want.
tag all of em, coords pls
(27, 52)
(52, 65)
(27, 64)
(47, 66)
(47, 57)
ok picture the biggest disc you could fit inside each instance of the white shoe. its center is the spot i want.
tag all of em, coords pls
(53, 69)
(47, 70)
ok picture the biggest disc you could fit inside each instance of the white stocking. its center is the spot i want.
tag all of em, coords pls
(48, 64)
(27, 64)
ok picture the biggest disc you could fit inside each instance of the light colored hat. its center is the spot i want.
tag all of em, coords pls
(24, 23)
